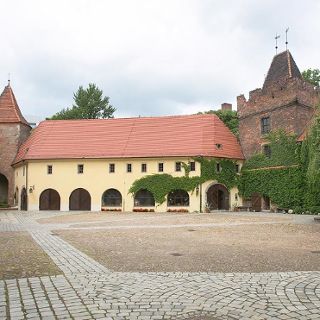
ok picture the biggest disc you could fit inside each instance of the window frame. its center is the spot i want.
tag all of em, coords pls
(49, 169)
(266, 149)
(192, 166)
(143, 167)
(80, 168)
(178, 166)
(174, 197)
(160, 167)
(129, 167)
(112, 168)
(265, 125)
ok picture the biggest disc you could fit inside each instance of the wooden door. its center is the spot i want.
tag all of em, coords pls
(80, 199)
(49, 200)
(256, 202)
(24, 200)
(218, 197)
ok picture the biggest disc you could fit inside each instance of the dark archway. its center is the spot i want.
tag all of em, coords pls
(4, 187)
(144, 198)
(24, 200)
(218, 197)
(178, 198)
(111, 198)
(80, 199)
(49, 200)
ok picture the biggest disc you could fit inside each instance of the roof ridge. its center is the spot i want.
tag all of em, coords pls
(289, 64)
(135, 117)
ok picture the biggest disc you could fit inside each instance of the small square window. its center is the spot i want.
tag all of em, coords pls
(80, 168)
(178, 166)
(143, 167)
(265, 125)
(192, 166)
(160, 167)
(129, 167)
(218, 167)
(49, 169)
(112, 167)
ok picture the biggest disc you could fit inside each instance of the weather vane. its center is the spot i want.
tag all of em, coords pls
(8, 79)
(287, 38)
(276, 38)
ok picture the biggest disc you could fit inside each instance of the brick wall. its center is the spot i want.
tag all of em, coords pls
(12, 135)
(290, 106)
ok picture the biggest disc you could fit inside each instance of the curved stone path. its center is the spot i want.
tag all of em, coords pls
(88, 290)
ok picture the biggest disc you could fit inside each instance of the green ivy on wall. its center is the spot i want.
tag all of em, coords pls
(310, 161)
(291, 176)
(161, 184)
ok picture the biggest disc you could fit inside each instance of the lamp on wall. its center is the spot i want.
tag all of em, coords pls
(197, 190)
(31, 189)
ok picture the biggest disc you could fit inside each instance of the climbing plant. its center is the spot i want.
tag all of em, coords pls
(310, 161)
(290, 177)
(161, 184)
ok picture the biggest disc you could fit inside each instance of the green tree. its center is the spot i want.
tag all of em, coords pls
(312, 76)
(89, 103)
(229, 118)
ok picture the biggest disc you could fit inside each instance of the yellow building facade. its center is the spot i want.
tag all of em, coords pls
(63, 176)
(91, 165)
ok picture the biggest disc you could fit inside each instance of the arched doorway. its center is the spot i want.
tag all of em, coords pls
(4, 185)
(24, 200)
(144, 198)
(218, 197)
(49, 200)
(80, 199)
(111, 198)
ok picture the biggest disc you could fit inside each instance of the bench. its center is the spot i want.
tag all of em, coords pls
(243, 208)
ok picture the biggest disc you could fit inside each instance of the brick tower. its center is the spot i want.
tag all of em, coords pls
(14, 130)
(285, 102)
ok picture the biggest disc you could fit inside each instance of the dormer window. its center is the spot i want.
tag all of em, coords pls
(218, 145)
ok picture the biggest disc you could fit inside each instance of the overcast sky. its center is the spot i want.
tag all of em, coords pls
(151, 57)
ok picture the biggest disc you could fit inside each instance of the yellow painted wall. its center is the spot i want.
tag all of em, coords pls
(96, 179)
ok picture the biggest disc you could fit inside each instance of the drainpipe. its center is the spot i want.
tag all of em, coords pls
(200, 197)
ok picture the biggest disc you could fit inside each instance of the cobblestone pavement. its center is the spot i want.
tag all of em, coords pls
(87, 290)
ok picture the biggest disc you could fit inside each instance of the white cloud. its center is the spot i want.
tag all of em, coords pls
(149, 56)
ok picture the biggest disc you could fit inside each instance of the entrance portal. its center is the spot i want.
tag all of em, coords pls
(218, 197)
(80, 199)
(24, 200)
(49, 200)
(3, 189)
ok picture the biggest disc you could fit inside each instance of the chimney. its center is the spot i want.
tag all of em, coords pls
(226, 106)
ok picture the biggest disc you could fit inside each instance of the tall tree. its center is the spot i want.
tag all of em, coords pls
(89, 103)
(229, 118)
(312, 76)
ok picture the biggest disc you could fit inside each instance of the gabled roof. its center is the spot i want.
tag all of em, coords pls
(282, 67)
(9, 109)
(193, 135)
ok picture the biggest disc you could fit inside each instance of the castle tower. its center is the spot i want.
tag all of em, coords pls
(284, 102)
(14, 130)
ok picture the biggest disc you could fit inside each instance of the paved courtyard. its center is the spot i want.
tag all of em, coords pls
(50, 273)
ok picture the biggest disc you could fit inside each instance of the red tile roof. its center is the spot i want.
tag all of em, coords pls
(9, 109)
(131, 138)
